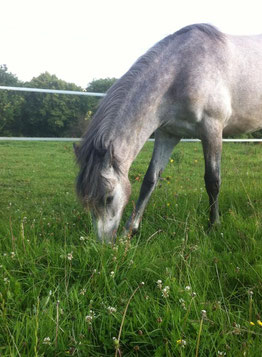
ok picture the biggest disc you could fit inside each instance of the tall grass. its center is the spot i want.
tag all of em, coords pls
(173, 290)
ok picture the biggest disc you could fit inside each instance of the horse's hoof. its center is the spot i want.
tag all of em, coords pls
(213, 226)
(130, 232)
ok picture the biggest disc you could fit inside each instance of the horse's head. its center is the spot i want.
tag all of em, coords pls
(104, 189)
(107, 210)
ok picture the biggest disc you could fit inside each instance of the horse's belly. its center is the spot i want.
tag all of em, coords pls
(182, 128)
(238, 124)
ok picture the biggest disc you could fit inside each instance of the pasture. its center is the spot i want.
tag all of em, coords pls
(172, 290)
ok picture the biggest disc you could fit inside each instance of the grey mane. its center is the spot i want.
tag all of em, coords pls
(97, 141)
(210, 31)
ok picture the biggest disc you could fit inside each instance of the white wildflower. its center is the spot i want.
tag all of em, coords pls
(182, 303)
(159, 284)
(82, 291)
(204, 314)
(111, 309)
(165, 292)
(70, 256)
(250, 293)
(89, 318)
(47, 341)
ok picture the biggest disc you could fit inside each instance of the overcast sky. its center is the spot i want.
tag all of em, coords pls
(82, 40)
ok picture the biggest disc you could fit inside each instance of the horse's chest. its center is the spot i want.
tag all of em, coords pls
(181, 121)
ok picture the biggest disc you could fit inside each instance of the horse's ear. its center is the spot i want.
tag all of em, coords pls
(76, 149)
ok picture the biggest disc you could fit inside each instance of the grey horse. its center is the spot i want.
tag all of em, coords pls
(197, 82)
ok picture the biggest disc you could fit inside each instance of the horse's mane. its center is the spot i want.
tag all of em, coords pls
(210, 31)
(99, 137)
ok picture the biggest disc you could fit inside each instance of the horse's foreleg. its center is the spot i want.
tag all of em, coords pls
(212, 147)
(163, 148)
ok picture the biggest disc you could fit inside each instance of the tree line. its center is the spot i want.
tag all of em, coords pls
(50, 115)
(45, 114)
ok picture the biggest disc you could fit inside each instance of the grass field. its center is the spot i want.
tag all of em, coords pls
(173, 290)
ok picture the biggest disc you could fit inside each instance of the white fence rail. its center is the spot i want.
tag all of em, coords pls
(6, 138)
(93, 94)
(52, 91)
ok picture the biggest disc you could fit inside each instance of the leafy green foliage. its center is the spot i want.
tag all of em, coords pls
(62, 293)
(98, 86)
(43, 114)
(10, 104)
(53, 114)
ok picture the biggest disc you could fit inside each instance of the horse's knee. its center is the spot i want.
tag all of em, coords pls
(151, 178)
(149, 181)
(212, 181)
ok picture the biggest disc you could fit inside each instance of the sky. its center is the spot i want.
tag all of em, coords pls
(83, 40)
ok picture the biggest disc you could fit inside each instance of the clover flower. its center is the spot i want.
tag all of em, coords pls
(82, 291)
(159, 284)
(182, 303)
(250, 293)
(70, 256)
(165, 292)
(111, 309)
(47, 341)
(204, 314)
(89, 318)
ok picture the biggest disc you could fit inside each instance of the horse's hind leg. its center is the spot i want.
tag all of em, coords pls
(212, 147)
(163, 148)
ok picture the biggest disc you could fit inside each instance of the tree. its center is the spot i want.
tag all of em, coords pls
(98, 86)
(54, 115)
(10, 104)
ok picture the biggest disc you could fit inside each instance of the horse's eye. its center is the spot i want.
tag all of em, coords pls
(109, 200)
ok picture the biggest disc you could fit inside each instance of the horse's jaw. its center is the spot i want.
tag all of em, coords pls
(105, 231)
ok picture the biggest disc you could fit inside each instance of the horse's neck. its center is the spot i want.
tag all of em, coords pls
(137, 118)
(128, 145)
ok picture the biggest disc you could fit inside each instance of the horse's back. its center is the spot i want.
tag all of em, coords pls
(217, 78)
(245, 84)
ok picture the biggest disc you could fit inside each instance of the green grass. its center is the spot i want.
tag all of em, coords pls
(44, 294)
